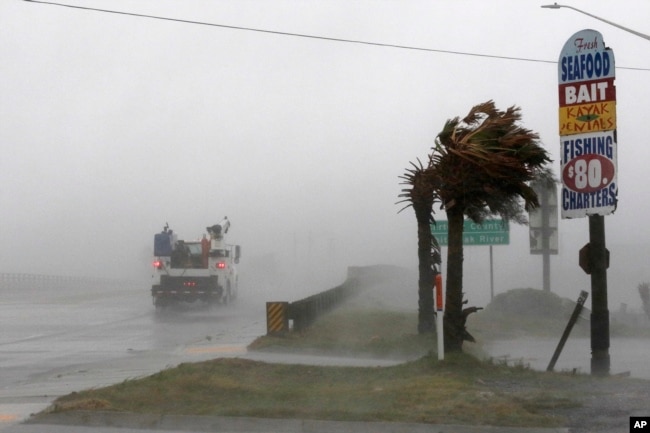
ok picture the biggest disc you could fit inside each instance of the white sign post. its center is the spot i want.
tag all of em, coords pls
(440, 312)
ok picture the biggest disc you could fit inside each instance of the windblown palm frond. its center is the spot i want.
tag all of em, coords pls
(421, 192)
(485, 158)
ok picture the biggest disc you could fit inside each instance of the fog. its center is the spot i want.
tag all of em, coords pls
(112, 125)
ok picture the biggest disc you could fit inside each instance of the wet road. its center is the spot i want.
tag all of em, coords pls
(57, 340)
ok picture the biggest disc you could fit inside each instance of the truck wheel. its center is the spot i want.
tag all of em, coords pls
(159, 304)
(225, 300)
(235, 291)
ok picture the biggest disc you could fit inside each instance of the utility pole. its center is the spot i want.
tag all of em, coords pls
(598, 263)
(546, 253)
(543, 223)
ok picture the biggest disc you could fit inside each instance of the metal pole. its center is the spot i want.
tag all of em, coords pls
(565, 335)
(546, 264)
(600, 362)
(546, 234)
(634, 32)
(440, 312)
(491, 275)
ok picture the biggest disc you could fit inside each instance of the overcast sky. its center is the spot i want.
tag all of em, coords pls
(112, 125)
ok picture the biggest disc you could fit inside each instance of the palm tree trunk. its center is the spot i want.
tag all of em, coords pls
(426, 322)
(453, 323)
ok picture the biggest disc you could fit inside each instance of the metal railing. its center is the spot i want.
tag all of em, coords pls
(11, 280)
(304, 312)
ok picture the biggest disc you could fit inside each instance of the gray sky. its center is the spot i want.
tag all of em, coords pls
(112, 125)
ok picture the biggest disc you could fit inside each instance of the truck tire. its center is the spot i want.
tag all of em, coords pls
(235, 290)
(157, 302)
(160, 304)
(226, 298)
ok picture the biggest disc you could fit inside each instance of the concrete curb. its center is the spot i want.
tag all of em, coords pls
(254, 425)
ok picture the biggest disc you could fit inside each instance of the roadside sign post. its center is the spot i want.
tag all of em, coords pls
(588, 154)
(489, 232)
(440, 310)
(565, 335)
(543, 223)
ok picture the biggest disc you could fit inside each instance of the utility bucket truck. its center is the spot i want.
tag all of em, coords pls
(200, 270)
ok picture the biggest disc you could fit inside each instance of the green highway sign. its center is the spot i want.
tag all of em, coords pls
(490, 232)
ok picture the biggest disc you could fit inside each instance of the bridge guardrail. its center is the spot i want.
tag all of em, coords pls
(302, 313)
(9, 280)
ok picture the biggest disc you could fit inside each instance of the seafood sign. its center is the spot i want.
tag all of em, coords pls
(587, 124)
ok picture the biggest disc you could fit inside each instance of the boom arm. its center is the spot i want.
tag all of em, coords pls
(218, 230)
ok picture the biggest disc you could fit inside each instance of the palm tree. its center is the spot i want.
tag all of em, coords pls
(480, 166)
(421, 196)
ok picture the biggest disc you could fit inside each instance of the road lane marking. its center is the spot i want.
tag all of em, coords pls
(215, 349)
(7, 417)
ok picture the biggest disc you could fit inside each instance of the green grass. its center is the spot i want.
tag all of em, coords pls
(383, 334)
(462, 389)
(424, 391)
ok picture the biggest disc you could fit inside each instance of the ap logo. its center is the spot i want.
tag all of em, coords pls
(640, 424)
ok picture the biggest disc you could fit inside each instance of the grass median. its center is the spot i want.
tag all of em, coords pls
(462, 389)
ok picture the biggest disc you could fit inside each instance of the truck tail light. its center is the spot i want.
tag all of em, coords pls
(220, 265)
(158, 264)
